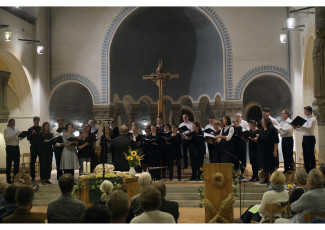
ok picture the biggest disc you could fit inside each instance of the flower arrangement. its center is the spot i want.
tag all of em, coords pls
(134, 157)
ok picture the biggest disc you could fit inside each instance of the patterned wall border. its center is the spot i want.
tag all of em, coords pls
(78, 77)
(117, 20)
(258, 70)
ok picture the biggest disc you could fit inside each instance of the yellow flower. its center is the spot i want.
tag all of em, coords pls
(134, 153)
(289, 185)
(138, 158)
(129, 158)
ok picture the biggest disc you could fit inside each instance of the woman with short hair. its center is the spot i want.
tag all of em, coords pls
(46, 153)
(225, 138)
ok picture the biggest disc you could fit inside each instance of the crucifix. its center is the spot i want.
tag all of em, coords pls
(160, 77)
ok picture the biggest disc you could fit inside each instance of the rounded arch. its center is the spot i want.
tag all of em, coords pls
(257, 72)
(249, 106)
(146, 99)
(184, 98)
(69, 77)
(19, 80)
(188, 110)
(207, 11)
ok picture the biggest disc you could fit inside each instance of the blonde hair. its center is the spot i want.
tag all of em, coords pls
(106, 188)
(278, 179)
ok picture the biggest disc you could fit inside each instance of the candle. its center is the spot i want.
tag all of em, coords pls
(84, 167)
(88, 167)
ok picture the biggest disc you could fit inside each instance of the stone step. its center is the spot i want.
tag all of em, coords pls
(183, 196)
(188, 203)
(182, 189)
(251, 196)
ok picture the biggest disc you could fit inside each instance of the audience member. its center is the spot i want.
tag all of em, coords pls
(106, 188)
(65, 209)
(150, 199)
(10, 202)
(3, 188)
(168, 206)
(120, 187)
(300, 183)
(312, 201)
(24, 199)
(322, 169)
(118, 203)
(136, 209)
(97, 214)
(318, 220)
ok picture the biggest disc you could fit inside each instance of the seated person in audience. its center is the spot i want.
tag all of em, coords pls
(312, 201)
(317, 220)
(276, 194)
(144, 181)
(10, 201)
(120, 187)
(150, 199)
(106, 188)
(118, 203)
(3, 188)
(322, 169)
(300, 183)
(168, 206)
(65, 209)
(97, 213)
(24, 198)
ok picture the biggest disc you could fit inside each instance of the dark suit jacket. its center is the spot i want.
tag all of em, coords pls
(21, 215)
(119, 146)
(170, 207)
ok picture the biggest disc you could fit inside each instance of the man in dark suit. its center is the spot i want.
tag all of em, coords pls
(168, 206)
(120, 146)
(24, 198)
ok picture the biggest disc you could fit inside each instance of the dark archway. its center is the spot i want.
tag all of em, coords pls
(271, 92)
(72, 102)
(189, 114)
(183, 37)
(254, 113)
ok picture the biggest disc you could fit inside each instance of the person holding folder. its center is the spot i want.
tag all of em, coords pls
(46, 153)
(308, 141)
(185, 144)
(286, 132)
(35, 141)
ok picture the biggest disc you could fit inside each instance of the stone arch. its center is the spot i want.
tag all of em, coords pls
(184, 98)
(128, 101)
(19, 80)
(256, 72)
(208, 11)
(69, 77)
(188, 110)
(250, 106)
(146, 99)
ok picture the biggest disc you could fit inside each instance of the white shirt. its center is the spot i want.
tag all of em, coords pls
(309, 127)
(209, 126)
(244, 125)
(286, 130)
(229, 136)
(10, 136)
(154, 217)
(189, 125)
(275, 123)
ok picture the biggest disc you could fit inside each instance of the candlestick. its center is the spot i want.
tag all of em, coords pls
(84, 167)
(88, 167)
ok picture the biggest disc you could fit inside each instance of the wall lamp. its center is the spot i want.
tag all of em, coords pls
(39, 49)
(7, 33)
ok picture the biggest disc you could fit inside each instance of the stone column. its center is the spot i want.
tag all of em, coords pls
(319, 79)
(197, 112)
(176, 113)
(4, 112)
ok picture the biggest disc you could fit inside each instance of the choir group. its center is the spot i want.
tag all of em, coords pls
(225, 141)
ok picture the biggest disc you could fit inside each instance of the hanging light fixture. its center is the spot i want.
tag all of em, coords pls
(40, 49)
(283, 38)
(291, 22)
(8, 36)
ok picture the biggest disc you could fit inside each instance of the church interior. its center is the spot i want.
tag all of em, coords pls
(88, 63)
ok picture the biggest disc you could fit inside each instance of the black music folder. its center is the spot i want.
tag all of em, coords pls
(24, 134)
(210, 131)
(298, 121)
(246, 134)
(183, 128)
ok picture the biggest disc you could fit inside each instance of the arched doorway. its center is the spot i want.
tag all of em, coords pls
(72, 102)
(189, 113)
(254, 113)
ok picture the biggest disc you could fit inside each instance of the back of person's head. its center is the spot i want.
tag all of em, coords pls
(150, 199)
(124, 129)
(161, 187)
(322, 169)
(278, 179)
(97, 213)
(118, 203)
(120, 187)
(301, 176)
(144, 180)
(66, 183)
(106, 188)
(266, 109)
(10, 194)
(3, 185)
(24, 195)
(317, 179)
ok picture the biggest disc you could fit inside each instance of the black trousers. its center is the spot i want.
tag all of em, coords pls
(34, 152)
(287, 150)
(253, 161)
(196, 163)
(171, 167)
(185, 146)
(58, 153)
(12, 155)
(45, 161)
(308, 148)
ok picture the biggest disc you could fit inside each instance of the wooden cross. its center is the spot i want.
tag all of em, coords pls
(160, 77)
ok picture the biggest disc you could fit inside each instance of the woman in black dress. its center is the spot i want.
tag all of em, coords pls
(252, 146)
(238, 148)
(154, 153)
(145, 147)
(174, 152)
(267, 142)
(46, 153)
(197, 150)
(136, 143)
(84, 152)
(105, 142)
(225, 140)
